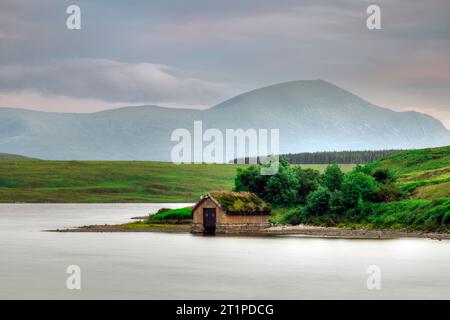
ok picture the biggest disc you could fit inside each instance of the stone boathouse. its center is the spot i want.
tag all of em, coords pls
(230, 212)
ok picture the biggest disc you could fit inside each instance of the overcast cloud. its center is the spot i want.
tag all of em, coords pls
(196, 53)
(110, 81)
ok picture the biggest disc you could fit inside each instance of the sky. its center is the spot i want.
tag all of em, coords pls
(198, 53)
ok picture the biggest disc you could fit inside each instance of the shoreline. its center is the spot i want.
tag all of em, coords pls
(284, 230)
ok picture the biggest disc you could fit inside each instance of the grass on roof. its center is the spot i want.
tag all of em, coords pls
(241, 202)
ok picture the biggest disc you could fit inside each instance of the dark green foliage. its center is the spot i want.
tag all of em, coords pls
(387, 192)
(371, 197)
(337, 203)
(357, 184)
(383, 175)
(289, 186)
(250, 179)
(333, 177)
(446, 218)
(294, 216)
(363, 169)
(282, 188)
(341, 157)
(308, 181)
(318, 202)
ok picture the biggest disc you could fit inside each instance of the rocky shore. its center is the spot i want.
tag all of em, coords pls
(353, 233)
(300, 230)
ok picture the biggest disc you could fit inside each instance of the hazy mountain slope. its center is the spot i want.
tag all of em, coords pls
(311, 116)
(134, 133)
(8, 157)
(316, 115)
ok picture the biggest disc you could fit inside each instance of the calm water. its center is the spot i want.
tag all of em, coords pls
(181, 266)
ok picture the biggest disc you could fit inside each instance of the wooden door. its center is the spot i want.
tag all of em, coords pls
(209, 218)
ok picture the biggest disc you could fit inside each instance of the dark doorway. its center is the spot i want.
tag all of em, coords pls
(209, 220)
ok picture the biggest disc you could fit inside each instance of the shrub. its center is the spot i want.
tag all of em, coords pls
(446, 219)
(308, 181)
(333, 177)
(383, 175)
(282, 188)
(294, 216)
(366, 169)
(357, 185)
(386, 193)
(251, 180)
(318, 202)
(337, 203)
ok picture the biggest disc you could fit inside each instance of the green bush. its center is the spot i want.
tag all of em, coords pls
(387, 193)
(366, 169)
(446, 219)
(294, 216)
(357, 185)
(308, 181)
(337, 203)
(383, 175)
(333, 177)
(251, 180)
(318, 202)
(282, 188)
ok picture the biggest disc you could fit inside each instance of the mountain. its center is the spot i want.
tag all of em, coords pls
(311, 116)
(8, 157)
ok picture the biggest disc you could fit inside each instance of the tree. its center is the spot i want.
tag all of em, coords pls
(387, 192)
(282, 188)
(308, 181)
(383, 175)
(294, 216)
(357, 185)
(363, 169)
(333, 177)
(337, 203)
(318, 202)
(251, 180)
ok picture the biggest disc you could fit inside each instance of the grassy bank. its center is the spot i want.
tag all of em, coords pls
(165, 220)
(422, 174)
(410, 214)
(112, 181)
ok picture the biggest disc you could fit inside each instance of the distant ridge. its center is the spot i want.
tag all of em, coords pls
(311, 116)
(327, 157)
(8, 156)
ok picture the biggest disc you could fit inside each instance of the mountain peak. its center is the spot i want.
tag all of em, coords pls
(311, 115)
(298, 92)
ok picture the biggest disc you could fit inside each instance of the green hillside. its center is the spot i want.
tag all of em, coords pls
(422, 173)
(424, 177)
(112, 181)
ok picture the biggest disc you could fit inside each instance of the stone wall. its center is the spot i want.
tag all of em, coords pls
(241, 228)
